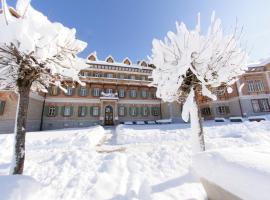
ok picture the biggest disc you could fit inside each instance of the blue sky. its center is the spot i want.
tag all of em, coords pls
(127, 27)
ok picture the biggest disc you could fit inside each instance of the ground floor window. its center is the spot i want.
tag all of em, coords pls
(51, 111)
(122, 111)
(2, 107)
(223, 110)
(155, 111)
(95, 111)
(206, 111)
(145, 111)
(133, 111)
(260, 105)
(82, 111)
(67, 111)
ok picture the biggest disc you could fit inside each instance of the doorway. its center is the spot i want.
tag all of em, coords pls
(108, 115)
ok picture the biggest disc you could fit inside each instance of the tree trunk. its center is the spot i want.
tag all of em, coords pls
(196, 123)
(20, 130)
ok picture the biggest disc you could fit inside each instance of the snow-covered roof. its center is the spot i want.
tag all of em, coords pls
(259, 63)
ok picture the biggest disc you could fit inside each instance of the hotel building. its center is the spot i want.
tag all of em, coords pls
(118, 92)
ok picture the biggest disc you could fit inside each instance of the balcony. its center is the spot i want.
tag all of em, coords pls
(115, 81)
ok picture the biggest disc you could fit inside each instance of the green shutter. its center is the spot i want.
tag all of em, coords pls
(141, 111)
(2, 107)
(79, 91)
(56, 110)
(130, 110)
(71, 110)
(137, 111)
(62, 110)
(227, 109)
(91, 110)
(79, 111)
(98, 111)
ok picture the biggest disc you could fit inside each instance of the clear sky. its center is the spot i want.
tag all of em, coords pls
(127, 27)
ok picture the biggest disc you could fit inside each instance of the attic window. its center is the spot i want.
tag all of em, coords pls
(92, 58)
(127, 61)
(110, 60)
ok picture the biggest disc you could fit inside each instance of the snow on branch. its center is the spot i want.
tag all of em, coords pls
(35, 49)
(187, 59)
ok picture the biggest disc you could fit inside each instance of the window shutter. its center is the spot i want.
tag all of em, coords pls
(125, 111)
(98, 111)
(87, 91)
(137, 111)
(91, 110)
(148, 111)
(71, 110)
(79, 111)
(141, 111)
(56, 110)
(2, 107)
(152, 110)
(227, 109)
(63, 110)
(79, 91)
(130, 111)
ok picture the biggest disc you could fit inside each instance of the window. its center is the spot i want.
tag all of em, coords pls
(96, 92)
(121, 93)
(259, 85)
(52, 111)
(255, 86)
(155, 111)
(82, 111)
(109, 91)
(122, 110)
(2, 107)
(143, 78)
(109, 75)
(97, 75)
(133, 77)
(54, 91)
(95, 111)
(223, 110)
(67, 111)
(145, 111)
(84, 74)
(260, 105)
(206, 111)
(133, 111)
(133, 93)
(83, 91)
(153, 95)
(121, 76)
(69, 91)
(144, 93)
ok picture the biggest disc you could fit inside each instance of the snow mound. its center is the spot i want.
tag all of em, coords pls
(19, 188)
(244, 172)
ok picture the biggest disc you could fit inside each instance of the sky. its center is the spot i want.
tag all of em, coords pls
(126, 28)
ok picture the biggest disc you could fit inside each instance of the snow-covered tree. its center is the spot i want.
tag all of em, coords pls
(189, 64)
(34, 53)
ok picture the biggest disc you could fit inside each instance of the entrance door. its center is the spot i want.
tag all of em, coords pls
(108, 115)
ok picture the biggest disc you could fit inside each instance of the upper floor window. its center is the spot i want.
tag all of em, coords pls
(97, 75)
(96, 92)
(133, 93)
(109, 91)
(85, 73)
(83, 91)
(133, 77)
(143, 78)
(69, 91)
(2, 107)
(260, 105)
(109, 75)
(144, 93)
(121, 76)
(223, 110)
(121, 93)
(255, 85)
(54, 90)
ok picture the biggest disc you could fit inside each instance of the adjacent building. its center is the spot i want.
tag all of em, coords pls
(118, 92)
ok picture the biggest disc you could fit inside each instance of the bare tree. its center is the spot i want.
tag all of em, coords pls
(190, 64)
(34, 53)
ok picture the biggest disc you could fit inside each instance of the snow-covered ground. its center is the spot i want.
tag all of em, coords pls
(138, 162)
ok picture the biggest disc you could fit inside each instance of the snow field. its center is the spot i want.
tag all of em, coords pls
(155, 165)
